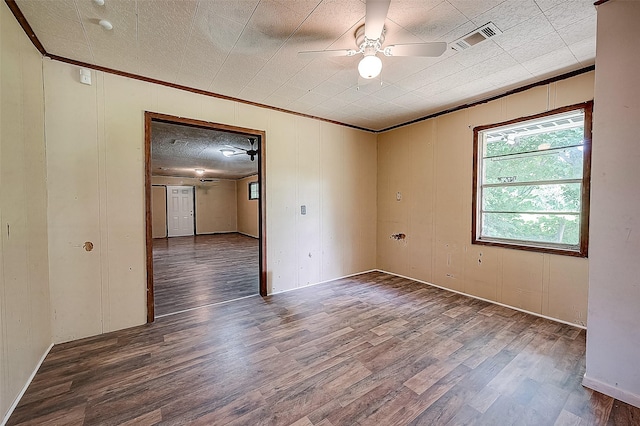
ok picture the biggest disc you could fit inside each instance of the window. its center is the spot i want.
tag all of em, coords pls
(531, 182)
(254, 191)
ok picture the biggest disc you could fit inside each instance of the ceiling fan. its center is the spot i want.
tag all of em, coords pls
(371, 36)
(251, 152)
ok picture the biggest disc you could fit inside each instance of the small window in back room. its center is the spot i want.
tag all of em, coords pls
(254, 191)
(531, 182)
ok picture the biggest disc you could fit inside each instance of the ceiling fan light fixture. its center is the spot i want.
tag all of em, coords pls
(227, 152)
(370, 66)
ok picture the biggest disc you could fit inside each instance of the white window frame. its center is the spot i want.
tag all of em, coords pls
(250, 188)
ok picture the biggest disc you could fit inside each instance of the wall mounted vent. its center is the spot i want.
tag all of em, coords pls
(476, 36)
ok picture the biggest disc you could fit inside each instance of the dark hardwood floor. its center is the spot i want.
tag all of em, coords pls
(369, 350)
(189, 272)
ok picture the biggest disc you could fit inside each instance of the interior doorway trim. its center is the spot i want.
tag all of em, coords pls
(150, 117)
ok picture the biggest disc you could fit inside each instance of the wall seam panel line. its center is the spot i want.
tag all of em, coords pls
(296, 132)
(46, 175)
(320, 209)
(46, 193)
(434, 197)
(105, 314)
(546, 282)
(4, 386)
(23, 184)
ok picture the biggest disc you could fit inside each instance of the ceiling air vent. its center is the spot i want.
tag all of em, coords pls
(476, 36)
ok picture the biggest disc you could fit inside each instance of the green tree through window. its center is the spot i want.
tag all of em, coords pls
(531, 184)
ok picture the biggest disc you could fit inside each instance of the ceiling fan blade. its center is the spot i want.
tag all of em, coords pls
(236, 147)
(416, 49)
(375, 16)
(327, 53)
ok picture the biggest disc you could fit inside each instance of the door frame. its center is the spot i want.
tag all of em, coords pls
(150, 117)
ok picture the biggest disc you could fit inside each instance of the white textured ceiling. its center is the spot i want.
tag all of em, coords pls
(178, 150)
(247, 49)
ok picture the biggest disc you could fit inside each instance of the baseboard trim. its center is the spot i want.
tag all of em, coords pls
(24, 388)
(247, 235)
(612, 391)
(485, 300)
(323, 282)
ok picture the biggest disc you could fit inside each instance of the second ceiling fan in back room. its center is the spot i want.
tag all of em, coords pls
(251, 152)
(370, 38)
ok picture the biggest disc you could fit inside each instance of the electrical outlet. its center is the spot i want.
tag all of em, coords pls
(303, 210)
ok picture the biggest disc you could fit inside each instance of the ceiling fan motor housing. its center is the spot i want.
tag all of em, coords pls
(370, 37)
(362, 40)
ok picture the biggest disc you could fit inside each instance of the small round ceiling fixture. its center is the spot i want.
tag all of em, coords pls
(99, 2)
(200, 172)
(105, 24)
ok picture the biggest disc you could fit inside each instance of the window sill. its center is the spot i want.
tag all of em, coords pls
(540, 248)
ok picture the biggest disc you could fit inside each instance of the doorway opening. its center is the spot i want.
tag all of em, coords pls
(204, 187)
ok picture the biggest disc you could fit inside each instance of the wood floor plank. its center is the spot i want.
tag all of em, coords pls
(373, 349)
(190, 272)
(153, 417)
(623, 414)
(73, 416)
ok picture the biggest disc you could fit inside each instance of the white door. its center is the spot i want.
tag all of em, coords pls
(179, 211)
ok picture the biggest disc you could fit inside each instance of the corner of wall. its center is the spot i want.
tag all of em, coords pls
(25, 321)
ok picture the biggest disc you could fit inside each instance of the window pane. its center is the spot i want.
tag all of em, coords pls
(532, 183)
(558, 229)
(541, 165)
(533, 198)
(518, 142)
(254, 191)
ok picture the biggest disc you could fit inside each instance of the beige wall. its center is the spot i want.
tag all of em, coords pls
(216, 206)
(430, 164)
(95, 139)
(159, 211)
(247, 209)
(25, 321)
(613, 344)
